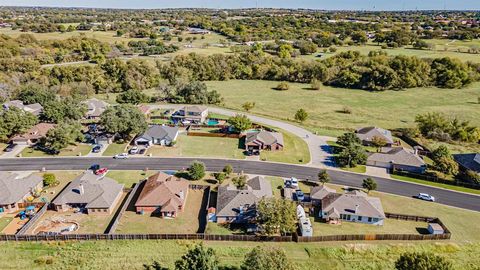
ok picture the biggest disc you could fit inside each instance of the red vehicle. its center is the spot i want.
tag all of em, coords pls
(101, 171)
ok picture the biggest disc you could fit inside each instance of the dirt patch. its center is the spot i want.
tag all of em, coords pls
(14, 226)
(56, 225)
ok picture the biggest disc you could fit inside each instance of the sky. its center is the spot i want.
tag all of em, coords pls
(313, 4)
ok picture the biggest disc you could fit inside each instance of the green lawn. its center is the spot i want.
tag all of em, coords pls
(115, 148)
(429, 183)
(195, 146)
(4, 222)
(357, 169)
(295, 151)
(72, 150)
(128, 178)
(390, 226)
(388, 109)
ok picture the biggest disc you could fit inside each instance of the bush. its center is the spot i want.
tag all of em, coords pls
(424, 261)
(196, 171)
(220, 177)
(228, 169)
(283, 86)
(315, 84)
(49, 179)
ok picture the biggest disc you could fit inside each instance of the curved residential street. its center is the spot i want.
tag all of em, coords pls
(447, 197)
(320, 155)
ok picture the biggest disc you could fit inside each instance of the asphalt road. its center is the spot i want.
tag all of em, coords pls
(461, 200)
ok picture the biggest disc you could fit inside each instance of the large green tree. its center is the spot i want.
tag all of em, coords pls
(196, 171)
(198, 258)
(124, 120)
(240, 122)
(276, 216)
(352, 156)
(132, 96)
(64, 109)
(348, 139)
(63, 135)
(15, 121)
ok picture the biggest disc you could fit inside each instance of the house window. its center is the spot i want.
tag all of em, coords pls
(348, 217)
(375, 219)
(369, 219)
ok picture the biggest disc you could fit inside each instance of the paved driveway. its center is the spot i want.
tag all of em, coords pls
(320, 151)
(17, 150)
(377, 171)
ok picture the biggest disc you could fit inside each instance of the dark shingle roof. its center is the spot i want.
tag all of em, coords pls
(469, 161)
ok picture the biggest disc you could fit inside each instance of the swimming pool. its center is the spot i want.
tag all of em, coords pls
(212, 122)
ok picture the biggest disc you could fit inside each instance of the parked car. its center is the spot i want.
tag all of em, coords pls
(101, 171)
(300, 195)
(121, 156)
(426, 197)
(142, 151)
(97, 148)
(10, 147)
(134, 150)
(291, 183)
(94, 167)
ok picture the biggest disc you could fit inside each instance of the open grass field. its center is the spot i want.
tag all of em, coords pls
(388, 109)
(193, 146)
(188, 221)
(72, 150)
(441, 48)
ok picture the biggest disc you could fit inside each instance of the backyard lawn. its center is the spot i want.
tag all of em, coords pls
(115, 148)
(4, 222)
(128, 178)
(188, 221)
(388, 109)
(63, 177)
(72, 150)
(195, 146)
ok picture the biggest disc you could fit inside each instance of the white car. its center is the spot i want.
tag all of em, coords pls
(121, 156)
(426, 197)
(134, 150)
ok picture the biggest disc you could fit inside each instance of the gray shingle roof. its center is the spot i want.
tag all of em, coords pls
(95, 107)
(368, 133)
(265, 137)
(13, 189)
(349, 204)
(230, 199)
(98, 191)
(469, 161)
(195, 108)
(35, 108)
(397, 155)
(319, 192)
(160, 132)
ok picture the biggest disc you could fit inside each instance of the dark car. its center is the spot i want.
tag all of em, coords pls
(142, 151)
(97, 148)
(94, 167)
(10, 147)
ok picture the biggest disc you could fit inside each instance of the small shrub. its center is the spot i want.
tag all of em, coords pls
(49, 179)
(315, 84)
(220, 177)
(283, 86)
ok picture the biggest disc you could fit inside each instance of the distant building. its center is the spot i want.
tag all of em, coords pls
(95, 108)
(90, 193)
(368, 135)
(264, 140)
(198, 31)
(194, 114)
(36, 109)
(33, 135)
(397, 158)
(469, 162)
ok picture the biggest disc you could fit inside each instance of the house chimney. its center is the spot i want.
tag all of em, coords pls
(81, 189)
(356, 208)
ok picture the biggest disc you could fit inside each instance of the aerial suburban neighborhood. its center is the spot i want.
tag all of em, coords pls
(227, 135)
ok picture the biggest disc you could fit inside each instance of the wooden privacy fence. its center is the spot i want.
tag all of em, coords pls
(113, 226)
(33, 220)
(219, 135)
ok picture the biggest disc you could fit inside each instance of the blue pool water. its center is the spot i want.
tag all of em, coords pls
(212, 122)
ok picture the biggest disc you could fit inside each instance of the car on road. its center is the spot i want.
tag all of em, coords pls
(94, 167)
(97, 148)
(300, 195)
(101, 171)
(134, 150)
(121, 156)
(10, 147)
(426, 197)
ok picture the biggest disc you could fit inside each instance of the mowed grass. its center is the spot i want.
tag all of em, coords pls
(388, 109)
(4, 221)
(187, 221)
(128, 178)
(114, 148)
(72, 150)
(295, 151)
(430, 183)
(63, 178)
(196, 146)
